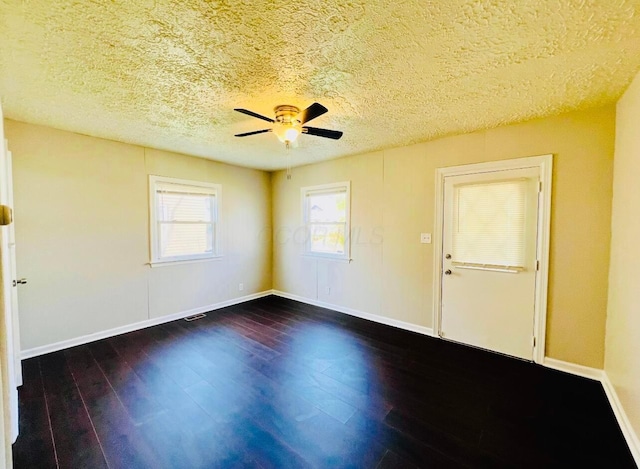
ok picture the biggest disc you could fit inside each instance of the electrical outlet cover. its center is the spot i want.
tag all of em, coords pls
(425, 238)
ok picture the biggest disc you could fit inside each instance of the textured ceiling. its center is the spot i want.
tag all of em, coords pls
(167, 74)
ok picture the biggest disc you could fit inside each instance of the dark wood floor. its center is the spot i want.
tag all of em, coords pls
(274, 383)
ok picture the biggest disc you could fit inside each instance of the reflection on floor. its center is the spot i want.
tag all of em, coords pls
(274, 383)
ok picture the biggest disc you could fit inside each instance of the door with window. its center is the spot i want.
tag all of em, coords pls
(490, 231)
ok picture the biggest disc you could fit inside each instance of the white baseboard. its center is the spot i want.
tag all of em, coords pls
(621, 416)
(85, 339)
(586, 372)
(359, 314)
(612, 396)
(572, 368)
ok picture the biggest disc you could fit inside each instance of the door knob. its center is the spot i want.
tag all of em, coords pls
(447, 272)
(448, 256)
(22, 281)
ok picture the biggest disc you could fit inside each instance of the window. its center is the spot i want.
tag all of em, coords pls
(326, 218)
(489, 223)
(184, 219)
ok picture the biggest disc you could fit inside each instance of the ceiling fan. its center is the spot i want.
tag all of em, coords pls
(289, 123)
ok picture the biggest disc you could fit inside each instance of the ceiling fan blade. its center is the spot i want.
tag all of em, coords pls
(334, 134)
(246, 134)
(253, 114)
(313, 111)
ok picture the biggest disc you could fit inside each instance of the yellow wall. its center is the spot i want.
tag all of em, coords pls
(393, 201)
(622, 360)
(81, 211)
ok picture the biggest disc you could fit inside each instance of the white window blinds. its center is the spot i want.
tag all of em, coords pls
(327, 218)
(489, 223)
(185, 221)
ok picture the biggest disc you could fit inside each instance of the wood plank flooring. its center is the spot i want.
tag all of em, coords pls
(276, 384)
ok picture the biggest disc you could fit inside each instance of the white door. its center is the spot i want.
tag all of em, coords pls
(489, 238)
(10, 283)
(13, 269)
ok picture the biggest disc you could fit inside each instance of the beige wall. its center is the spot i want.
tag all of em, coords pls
(82, 228)
(622, 359)
(393, 201)
(83, 239)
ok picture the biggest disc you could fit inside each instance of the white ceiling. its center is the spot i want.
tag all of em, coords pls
(167, 74)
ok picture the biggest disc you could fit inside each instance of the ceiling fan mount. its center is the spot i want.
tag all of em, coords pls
(286, 114)
(289, 123)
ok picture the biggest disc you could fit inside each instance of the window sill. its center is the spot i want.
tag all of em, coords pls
(328, 258)
(189, 261)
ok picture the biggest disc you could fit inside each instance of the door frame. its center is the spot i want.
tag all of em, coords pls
(10, 320)
(545, 164)
(14, 271)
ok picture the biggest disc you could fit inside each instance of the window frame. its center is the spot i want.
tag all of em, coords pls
(154, 239)
(336, 187)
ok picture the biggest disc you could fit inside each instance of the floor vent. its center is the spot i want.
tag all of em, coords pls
(195, 316)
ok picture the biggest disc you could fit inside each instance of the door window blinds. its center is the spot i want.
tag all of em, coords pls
(489, 223)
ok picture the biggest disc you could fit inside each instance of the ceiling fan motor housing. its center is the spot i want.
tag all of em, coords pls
(287, 115)
(289, 122)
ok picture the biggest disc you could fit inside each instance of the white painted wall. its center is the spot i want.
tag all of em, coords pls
(622, 349)
(82, 234)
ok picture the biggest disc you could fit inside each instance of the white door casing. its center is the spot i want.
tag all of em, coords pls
(499, 308)
(14, 269)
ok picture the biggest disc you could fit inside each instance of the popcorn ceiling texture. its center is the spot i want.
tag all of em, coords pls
(167, 74)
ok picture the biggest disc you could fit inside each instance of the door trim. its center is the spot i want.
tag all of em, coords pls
(545, 164)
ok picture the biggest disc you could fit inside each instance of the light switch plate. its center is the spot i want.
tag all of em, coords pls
(425, 238)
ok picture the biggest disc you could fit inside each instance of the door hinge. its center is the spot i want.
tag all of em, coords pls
(539, 186)
(534, 341)
(537, 265)
(6, 215)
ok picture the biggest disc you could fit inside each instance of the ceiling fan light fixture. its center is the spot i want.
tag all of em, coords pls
(290, 122)
(291, 134)
(287, 132)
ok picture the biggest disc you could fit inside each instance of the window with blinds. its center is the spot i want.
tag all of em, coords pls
(489, 223)
(326, 217)
(184, 219)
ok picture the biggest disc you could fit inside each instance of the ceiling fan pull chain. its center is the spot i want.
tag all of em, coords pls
(288, 164)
